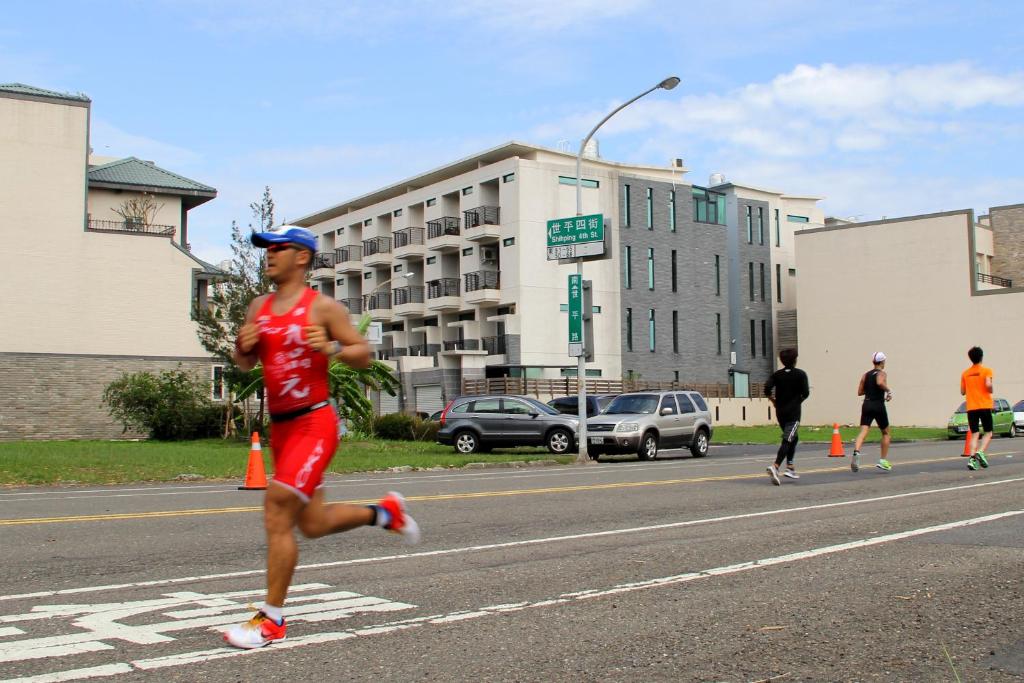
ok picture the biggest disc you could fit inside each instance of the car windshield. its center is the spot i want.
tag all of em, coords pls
(603, 402)
(1019, 408)
(962, 408)
(541, 407)
(637, 403)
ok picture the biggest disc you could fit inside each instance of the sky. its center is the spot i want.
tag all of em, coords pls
(884, 108)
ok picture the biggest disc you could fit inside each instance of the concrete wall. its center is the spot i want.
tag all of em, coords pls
(102, 203)
(1008, 242)
(59, 396)
(906, 287)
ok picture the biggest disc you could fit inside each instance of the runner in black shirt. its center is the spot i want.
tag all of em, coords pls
(787, 389)
(874, 387)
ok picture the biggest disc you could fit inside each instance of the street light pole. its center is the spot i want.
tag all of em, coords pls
(582, 457)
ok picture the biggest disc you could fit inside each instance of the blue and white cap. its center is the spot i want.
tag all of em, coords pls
(285, 234)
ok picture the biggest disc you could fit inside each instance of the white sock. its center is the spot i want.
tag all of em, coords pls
(383, 516)
(275, 613)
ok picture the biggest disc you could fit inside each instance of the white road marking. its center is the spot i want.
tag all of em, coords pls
(77, 674)
(500, 546)
(563, 599)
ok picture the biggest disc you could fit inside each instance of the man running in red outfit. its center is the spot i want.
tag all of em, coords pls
(294, 333)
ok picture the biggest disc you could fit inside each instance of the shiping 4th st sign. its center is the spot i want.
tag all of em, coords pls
(576, 237)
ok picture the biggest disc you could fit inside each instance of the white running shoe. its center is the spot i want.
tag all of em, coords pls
(791, 473)
(773, 472)
(259, 631)
(855, 461)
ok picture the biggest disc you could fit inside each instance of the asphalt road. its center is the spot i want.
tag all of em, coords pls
(678, 569)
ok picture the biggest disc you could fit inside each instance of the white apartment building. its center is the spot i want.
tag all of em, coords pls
(453, 263)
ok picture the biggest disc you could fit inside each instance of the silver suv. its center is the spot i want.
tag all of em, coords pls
(645, 421)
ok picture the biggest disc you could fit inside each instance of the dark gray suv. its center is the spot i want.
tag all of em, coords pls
(480, 423)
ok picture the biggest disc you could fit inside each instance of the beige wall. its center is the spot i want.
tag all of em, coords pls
(102, 203)
(68, 290)
(904, 287)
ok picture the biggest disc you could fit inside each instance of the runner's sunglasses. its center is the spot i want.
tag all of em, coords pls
(280, 247)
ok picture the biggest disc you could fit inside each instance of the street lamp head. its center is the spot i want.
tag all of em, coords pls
(669, 83)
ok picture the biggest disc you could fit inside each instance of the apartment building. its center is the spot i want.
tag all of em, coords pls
(98, 276)
(923, 289)
(453, 264)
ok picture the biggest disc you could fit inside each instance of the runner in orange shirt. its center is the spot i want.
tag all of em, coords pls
(976, 385)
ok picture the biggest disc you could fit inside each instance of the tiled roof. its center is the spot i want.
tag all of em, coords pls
(22, 89)
(133, 171)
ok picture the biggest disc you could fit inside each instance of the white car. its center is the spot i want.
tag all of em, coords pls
(1018, 416)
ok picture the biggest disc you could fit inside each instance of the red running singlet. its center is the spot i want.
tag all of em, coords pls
(294, 375)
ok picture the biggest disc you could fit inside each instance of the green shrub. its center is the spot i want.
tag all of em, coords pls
(171, 406)
(425, 430)
(397, 426)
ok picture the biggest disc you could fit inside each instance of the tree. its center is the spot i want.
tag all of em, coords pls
(138, 211)
(220, 321)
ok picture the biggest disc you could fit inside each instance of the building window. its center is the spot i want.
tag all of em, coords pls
(564, 308)
(650, 269)
(750, 224)
(764, 339)
(797, 219)
(398, 269)
(217, 382)
(753, 339)
(675, 279)
(466, 191)
(675, 331)
(468, 251)
(672, 210)
(778, 283)
(760, 225)
(508, 241)
(778, 230)
(762, 282)
(650, 208)
(368, 221)
(708, 206)
(718, 331)
(396, 213)
(792, 272)
(627, 259)
(339, 231)
(750, 278)
(650, 329)
(508, 177)
(675, 376)
(625, 206)
(586, 182)
(432, 201)
(629, 329)
(367, 276)
(431, 260)
(718, 275)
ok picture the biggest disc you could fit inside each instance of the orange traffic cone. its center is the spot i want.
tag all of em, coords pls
(967, 445)
(255, 476)
(837, 443)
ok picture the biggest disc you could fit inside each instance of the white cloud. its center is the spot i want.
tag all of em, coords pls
(544, 16)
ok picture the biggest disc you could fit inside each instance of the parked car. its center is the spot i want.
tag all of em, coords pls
(1018, 416)
(480, 423)
(1003, 418)
(568, 405)
(645, 422)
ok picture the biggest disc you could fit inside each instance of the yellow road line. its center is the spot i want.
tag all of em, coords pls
(438, 497)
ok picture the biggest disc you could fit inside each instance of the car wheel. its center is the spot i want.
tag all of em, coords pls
(467, 442)
(1013, 431)
(559, 441)
(648, 446)
(700, 444)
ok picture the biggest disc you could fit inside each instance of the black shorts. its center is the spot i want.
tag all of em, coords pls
(980, 418)
(874, 411)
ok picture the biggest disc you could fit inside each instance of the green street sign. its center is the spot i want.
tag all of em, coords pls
(575, 237)
(575, 315)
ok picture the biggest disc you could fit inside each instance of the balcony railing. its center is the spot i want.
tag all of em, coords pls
(449, 225)
(446, 286)
(462, 345)
(323, 259)
(352, 253)
(131, 227)
(482, 279)
(406, 237)
(482, 215)
(495, 346)
(354, 305)
(378, 301)
(407, 295)
(388, 354)
(376, 245)
(418, 350)
(994, 280)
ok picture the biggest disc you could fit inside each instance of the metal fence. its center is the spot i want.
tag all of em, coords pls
(131, 227)
(567, 386)
(482, 215)
(482, 279)
(448, 225)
